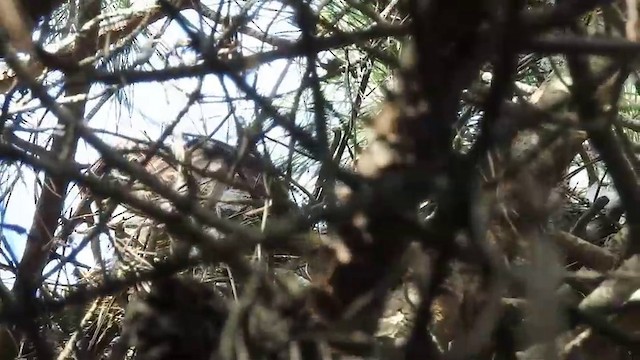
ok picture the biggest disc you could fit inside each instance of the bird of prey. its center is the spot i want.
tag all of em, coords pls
(209, 171)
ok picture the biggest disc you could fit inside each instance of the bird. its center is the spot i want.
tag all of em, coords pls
(196, 165)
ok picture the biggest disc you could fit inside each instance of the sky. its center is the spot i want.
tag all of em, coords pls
(155, 106)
